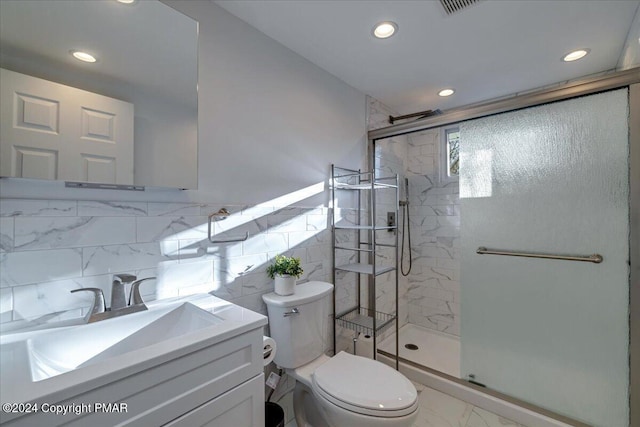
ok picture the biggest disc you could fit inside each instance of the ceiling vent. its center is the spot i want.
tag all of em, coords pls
(453, 6)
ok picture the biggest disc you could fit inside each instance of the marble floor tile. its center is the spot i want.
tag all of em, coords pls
(441, 410)
(481, 418)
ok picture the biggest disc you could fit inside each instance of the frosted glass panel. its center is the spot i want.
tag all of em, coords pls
(550, 179)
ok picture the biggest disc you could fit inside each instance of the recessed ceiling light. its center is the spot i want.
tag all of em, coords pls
(83, 56)
(384, 30)
(446, 92)
(575, 55)
(126, 1)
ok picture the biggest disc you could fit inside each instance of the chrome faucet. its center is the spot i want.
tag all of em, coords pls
(119, 305)
(118, 295)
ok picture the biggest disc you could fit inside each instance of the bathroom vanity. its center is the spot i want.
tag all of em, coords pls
(185, 361)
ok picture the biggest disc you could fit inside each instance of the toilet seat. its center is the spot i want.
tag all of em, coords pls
(364, 386)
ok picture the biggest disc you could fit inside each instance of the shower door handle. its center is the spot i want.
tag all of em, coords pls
(293, 312)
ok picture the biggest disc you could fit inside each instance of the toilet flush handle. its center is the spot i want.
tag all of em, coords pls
(292, 312)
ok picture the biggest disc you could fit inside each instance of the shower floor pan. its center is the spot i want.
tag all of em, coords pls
(436, 350)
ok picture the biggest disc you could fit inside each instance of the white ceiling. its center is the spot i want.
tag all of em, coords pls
(491, 49)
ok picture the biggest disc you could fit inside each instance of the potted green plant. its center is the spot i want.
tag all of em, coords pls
(285, 270)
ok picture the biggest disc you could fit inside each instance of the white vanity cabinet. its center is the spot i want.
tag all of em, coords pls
(241, 407)
(211, 377)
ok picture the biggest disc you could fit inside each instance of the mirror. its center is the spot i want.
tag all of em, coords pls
(146, 62)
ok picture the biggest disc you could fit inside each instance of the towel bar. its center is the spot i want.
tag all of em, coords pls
(595, 258)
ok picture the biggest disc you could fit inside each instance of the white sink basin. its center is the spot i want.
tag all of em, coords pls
(65, 361)
(60, 351)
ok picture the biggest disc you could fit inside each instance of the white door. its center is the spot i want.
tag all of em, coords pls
(53, 131)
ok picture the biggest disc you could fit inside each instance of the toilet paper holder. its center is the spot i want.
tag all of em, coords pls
(267, 352)
(269, 349)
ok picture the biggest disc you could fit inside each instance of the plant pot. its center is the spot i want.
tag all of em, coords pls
(285, 285)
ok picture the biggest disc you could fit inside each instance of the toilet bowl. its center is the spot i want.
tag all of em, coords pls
(339, 391)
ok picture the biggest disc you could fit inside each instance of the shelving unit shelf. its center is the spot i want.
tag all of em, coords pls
(364, 186)
(361, 320)
(364, 318)
(364, 227)
(365, 268)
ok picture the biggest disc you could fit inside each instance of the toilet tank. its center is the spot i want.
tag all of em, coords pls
(299, 323)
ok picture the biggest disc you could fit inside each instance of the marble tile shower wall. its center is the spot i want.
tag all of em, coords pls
(429, 296)
(49, 247)
(433, 295)
(390, 158)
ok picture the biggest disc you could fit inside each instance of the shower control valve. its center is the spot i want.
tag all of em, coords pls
(391, 220)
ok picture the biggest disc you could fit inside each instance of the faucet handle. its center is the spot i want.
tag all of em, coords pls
(134, 294)
(98, 306)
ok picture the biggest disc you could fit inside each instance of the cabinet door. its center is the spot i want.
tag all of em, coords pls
(242, 406)
(57, 132)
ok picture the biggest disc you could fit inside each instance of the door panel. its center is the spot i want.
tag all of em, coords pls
(549, 179)
(52, 131)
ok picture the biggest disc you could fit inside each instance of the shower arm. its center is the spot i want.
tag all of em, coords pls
(420, 114)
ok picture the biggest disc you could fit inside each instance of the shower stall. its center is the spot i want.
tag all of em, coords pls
(430, 252)
(522, 271)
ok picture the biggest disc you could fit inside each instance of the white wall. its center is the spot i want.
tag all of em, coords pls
(270, 123)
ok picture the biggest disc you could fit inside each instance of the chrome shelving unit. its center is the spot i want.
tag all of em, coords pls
(364, 318)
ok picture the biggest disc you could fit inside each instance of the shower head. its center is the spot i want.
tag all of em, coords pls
(405, 202)
(406, 189)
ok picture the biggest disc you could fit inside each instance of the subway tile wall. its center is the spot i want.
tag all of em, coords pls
(49, 247)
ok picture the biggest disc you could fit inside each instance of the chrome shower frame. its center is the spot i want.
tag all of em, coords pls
(584, 86)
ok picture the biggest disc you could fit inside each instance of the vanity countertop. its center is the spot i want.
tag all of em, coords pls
(117, 347)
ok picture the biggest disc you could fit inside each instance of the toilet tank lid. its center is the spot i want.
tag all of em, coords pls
(304, 293)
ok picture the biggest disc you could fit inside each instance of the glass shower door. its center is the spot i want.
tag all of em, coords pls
(549, 179)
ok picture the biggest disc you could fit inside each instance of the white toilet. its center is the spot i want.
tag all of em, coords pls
(347, 390)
